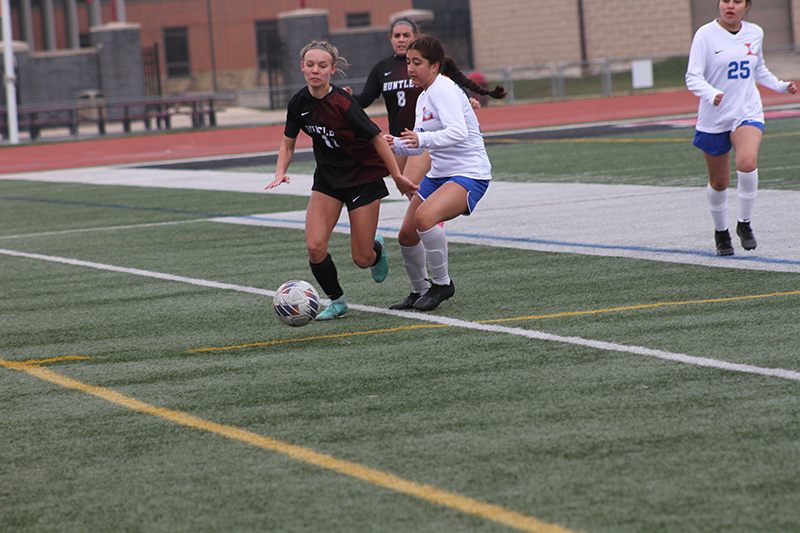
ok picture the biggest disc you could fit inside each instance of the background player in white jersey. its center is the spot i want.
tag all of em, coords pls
(724, 64)
(460, 171)
(352, 160)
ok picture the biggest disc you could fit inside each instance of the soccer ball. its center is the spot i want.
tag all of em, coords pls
(296, 303)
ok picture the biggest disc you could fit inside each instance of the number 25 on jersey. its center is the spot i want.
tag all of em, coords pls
(739, 70)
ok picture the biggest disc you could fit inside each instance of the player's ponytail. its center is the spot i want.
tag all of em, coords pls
(451, 70)
(431, 49)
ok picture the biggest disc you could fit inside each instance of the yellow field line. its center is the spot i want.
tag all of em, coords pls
(336, 336)
(56, 359)
(383, 479)
(638, 307)
(496, 320)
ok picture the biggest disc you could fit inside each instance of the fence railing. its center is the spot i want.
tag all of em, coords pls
(551, 81)
(587, 77)
(278, 97)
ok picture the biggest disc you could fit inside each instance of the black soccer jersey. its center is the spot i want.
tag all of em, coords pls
(390, 78)
(341, 132)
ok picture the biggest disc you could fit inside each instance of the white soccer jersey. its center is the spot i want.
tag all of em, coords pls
(721, 62)
(447, 126)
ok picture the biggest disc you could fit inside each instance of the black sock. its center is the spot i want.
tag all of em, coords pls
(327, 277)
(378, 247)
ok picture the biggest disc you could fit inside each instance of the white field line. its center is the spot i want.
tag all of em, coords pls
(531, 334)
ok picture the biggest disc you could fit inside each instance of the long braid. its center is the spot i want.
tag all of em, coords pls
(431, 49)
(451, 70)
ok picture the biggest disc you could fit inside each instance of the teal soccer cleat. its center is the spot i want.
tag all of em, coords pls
(336, 309)
(381, 269)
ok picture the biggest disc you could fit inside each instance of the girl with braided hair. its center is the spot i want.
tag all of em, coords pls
(446, 125)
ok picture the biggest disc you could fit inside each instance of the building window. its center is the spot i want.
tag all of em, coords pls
(358, 20)
(268, 46)
(176, 51)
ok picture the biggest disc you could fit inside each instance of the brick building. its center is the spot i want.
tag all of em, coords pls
(246, 40)
(206, 45)
(520, 33)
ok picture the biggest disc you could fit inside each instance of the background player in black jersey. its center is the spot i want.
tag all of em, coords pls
(352, 159)
(389, 78)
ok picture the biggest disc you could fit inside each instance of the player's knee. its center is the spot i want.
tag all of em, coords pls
(407, 236)
(316, 252)
(746, 163)
(426, 220)
(364, 260)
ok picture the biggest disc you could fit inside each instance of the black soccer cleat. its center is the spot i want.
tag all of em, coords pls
(408, 302)
(435, 295)
(745, 233)
(723, 240)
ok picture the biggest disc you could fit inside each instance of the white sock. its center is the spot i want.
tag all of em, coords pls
(718, 203)
(414, 261)
(747, 190)
(435, 242)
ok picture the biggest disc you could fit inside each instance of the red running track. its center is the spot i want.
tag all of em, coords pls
(220, 142)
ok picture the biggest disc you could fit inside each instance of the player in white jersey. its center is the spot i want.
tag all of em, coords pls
(446, 125)
(725, 63)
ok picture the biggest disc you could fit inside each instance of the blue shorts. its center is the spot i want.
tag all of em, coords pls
(719, 143)
(475, 189)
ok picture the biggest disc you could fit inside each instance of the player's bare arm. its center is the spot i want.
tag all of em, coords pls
(285, 155)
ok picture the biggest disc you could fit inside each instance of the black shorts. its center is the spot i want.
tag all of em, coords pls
(353, 197)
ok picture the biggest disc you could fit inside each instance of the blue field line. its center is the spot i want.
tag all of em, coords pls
(593, 246)
(501, 238)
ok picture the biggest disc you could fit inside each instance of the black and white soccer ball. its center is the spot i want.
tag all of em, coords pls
(296, 303)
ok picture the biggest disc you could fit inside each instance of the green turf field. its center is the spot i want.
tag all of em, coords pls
(146, 384)
(663, 158)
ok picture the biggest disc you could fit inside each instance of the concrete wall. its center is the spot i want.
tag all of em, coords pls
(362, 49)
(121, 67)
(296, 29)
(113, 66)
(57, 77)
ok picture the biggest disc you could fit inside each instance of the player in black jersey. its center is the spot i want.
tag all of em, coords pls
(389, 78)
(352, 159)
